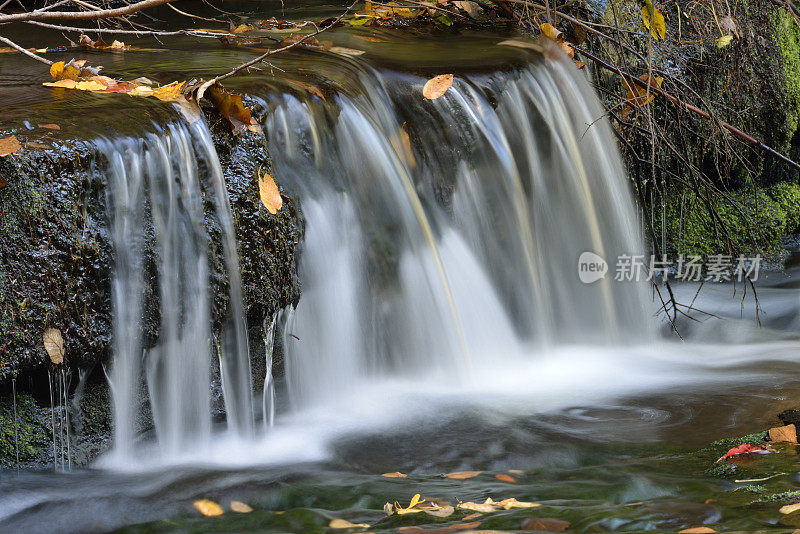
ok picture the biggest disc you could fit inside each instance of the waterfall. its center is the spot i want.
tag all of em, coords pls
(161, 179)
(443, 236)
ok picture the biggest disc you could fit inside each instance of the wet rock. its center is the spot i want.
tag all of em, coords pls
(790, 417)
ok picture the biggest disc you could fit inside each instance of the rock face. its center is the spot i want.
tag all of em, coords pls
(56, 264)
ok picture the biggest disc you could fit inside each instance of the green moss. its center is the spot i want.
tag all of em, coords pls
(32, 434)
(755, 221)
(786, 36)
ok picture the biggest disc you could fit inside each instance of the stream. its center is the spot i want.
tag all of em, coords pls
(442, 324)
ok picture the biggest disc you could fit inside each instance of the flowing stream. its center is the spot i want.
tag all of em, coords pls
(442, 324)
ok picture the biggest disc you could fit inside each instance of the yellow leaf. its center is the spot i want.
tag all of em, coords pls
(396, 474)
(90, 86)
(242, 28)
(790, 508)
(415, 500)
(54, 345)
(208, 508)
(56, 69)
(654, 20)
(437, 86)
(549, 31)
(240, 507)
(724, 41)
(462, 475)
(141, 90)
(9, 145)
(269, 193)
(64, 84)
(118, 45)
(640, 96)
(510, 503)
(169, 92)
(341, 523)
(697, 530)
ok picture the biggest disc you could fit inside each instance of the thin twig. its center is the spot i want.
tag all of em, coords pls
(28, 53)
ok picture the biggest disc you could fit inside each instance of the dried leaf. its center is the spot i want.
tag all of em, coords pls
(654, 20)
(208, 508)
(50, 126)
(550, 31)
(243, 28)
(9, 145)
(342, 523)
(471, 8)
(484, 508)
(63, 84)
(505, 478)
(388, 508)
(170, 92)
(345, 51)
(790, 508)
(470, 517)
(744, 448)
(269, 193)
(724, 41)
(463, 475)
(118, 45)
(437, 86)
(508, 504)
(697, 530)
(640, 96)
(783, 433)
(444, 511)
(545, 524)
(240, 507)
(396, 474)
(232, 108)
(90, 86)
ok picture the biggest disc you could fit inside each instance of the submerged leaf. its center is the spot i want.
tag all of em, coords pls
(505, 478)
(396, 474)
(240, 507)
(463, 475)
(342, 523)
(437, 86)
(545, 524)
(208, 508)
(697, 530)
(790, 508)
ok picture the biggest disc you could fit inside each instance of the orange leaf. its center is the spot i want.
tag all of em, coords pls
(463, 475)
(396, 474)
(505, 478)
(208, 508)
(269, 193)
(9, 145)
(437, 86)
(169, 92)
(783, 433)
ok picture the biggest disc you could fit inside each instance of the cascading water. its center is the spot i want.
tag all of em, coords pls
(161, 177)
(462, 247)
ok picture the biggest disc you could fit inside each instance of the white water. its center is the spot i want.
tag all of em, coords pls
(437, 275)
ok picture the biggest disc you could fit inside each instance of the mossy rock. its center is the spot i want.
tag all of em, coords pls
(28, 433)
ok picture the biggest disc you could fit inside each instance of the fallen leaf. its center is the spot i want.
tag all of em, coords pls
(396, 474)
(724, 41)
(462, 475)
(697, 530)
(388, 508)
(546, 524)
(510, 503)
(342, 523)
(269, 193)
(3, 182)
(790, 508)
(471, 8)
(484, 508)
(654, 20)
(90, 86)
(63, 84)
(9, 145)
(232, 108)
(208, 508)
(345, 51)
(118, 45)
(444, 511)
(50, 126)
(745, 448)
(783, 433)
(169, 92)
(240, 507)
(437, 86)
(242, 28)
(551, 32)
(470, 517)
(640, 96)
(505, 478)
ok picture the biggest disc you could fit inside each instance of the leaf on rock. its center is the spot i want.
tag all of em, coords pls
(342, 523)
(231, 107)
(208, 508)
(396, 474)
(269, 193)
(240, 507)
(745, 448)
(654, 20)
(545, 524)
(463, 475)
(437, 86)
(9, 145)
(783, 433)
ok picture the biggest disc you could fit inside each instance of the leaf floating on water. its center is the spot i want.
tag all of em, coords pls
(396, 474)
(506, 478)
(208, 508)
(169, 92)
(790, 508)
(786, 433)
(269, 193)
(345, 51)
(545, 524)
(463, 475)
(64, 84)
(342, 523)
(444, 511)
(697, 530)
(9, 145)
(50, 126)
(654, 20)
(240, 507)
(489, 505)
(54, 345)
(437, 86)
(724, 41)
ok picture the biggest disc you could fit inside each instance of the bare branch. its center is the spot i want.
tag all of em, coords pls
(28, 53)
(83, 15)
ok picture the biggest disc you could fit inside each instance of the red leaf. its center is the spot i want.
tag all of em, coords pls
(744, 448)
